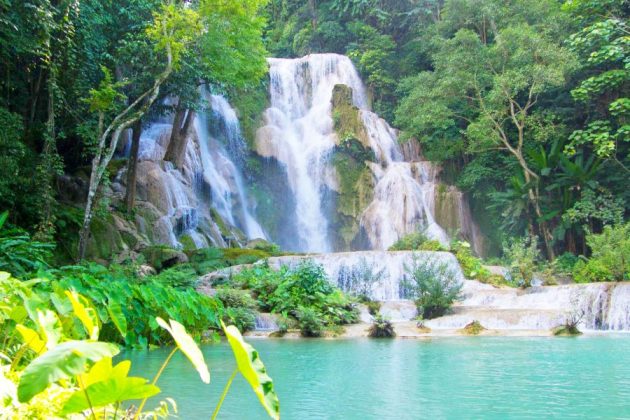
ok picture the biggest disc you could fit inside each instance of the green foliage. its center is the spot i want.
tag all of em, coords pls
(433, 285)
(564, 263)
(523, 256)
(240, 307)
(74, 373)
(211, 259)
(471, 266)
(610, 259)
(381, 328)
(309, 322)
(115, 292)
(417, 241)
(473, 328)
(303, 293)
(19, 254)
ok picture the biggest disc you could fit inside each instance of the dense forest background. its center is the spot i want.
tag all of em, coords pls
(524, 103)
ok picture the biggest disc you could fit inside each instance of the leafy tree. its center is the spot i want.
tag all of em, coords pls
(485, 85)
(604, 51)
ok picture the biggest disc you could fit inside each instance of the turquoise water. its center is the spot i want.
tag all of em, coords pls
(478, 377)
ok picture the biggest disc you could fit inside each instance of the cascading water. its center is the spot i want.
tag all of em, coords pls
(209, 179)
(298, 132)
(220, 173)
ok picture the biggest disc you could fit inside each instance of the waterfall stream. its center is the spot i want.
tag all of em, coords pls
(298, 132)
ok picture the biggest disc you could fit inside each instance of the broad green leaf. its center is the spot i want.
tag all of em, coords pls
(188, 346)
(103, 370)
(253, 369)
(109, 391)
(49, 327)
(63, 361)
(31, 338)
(118, 317)
(85, 312)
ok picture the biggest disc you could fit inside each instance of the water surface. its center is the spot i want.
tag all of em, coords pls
(478, 377)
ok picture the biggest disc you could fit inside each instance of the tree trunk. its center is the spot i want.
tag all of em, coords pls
(132, 167)
(176, 151)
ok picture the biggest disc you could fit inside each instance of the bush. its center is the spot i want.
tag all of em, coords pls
(306, 286)
(235, 298)
(610, 260)
(243, 318)
(472, 266)
(309, 322)
(417, 241)
(565, 263)
(359, 280)
(591, 271)
(523, 256)
(20, 255)
(180, 277)
(381, 328)
(433, 285)
(473, 328)
(114, 289)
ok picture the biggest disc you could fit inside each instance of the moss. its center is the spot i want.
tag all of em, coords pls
(105, 239)
(188, 243)
(347, 117)
(473, 328)
(566, 331)
(115, 165)
(162, 256)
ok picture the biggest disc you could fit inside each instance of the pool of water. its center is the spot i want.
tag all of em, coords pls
(478, 377)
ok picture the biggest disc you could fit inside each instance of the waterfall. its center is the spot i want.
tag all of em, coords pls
(209, 180)
(298, 132)
(220, 173)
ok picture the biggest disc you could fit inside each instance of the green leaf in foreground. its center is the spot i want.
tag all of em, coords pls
(188, 346)
(114, 309)
(63, 361)
(110, 391)
(253, 369)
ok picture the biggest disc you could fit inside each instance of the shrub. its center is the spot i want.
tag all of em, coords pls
(309, 322)
(417, 241)
(471, 266)
(20, 255)
(565, 263)
(111, 290)
(591, 271)
(381, 328)
(473, 328)
(181, 277)
(523, 256)
(433, 285)
(373, 307)
(243, 318)
(235, 298)
(610, 260)
(306, 286)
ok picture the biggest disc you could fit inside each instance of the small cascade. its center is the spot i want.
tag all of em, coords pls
(381, 275)
(266, 322)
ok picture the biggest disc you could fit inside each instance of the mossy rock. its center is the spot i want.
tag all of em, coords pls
(105, 240)
(473, 328)
(161, 257)
(566, 331)
(347, 117)
(187, 242)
